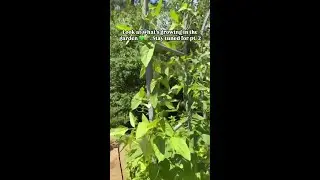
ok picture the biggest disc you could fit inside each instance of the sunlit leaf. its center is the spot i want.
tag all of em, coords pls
(132, 119)
(183, 7)
(123, 27)
(144, 118)
(159, 148)
(153, 85)
(154, 100)
(206, 138)
(174, 16)
(142, 129)
(181, 147)
(118, 131)
(146, 52)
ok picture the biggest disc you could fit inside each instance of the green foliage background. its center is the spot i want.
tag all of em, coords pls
(124, 66)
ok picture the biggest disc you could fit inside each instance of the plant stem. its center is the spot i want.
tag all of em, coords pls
(205, 22)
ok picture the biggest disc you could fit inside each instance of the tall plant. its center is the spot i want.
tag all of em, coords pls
(177, 146)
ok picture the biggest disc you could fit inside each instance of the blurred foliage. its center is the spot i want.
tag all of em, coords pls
(125, 65)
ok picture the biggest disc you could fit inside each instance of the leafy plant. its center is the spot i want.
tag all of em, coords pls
(175, 144)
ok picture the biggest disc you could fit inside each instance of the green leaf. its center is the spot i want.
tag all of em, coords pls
(123, 27)
(168, 129)
(165, 82)
(118, 131)
(157, 67)
(153, 124)
(164, 168)
(198, 117)
(153, 85)
(146, 146)
(154, 171)
(142, 93)
(142, 129)
(183, 7)
(173, 26)
(137, 99)
(144, 118)
(158, 8)
(142, 71)
(135, 102)
(176, 89)
(166, 71)
(146, 52)
(148, 105)
(206, 139)
(174, 16)
(181, 147)
(159, 148)
(163, 125)
(154, 100)
(169, 105)
(132, 119)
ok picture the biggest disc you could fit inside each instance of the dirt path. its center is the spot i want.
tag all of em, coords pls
(117, 169)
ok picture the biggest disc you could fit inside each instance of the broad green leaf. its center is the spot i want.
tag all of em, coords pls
(154, 100)
(153, 124)
(141, 93)
(181, 147)
(176, 89)
(123, 27)
(169, 105)
(146, 146)
(159, 148)
(158, 8)
(154, 171)
(162, 125)
(137, 99)
(165, 82)
(166, 44)
(166, 71)
(153, 85)
(146, 53)
(157, 67)
(118, 131)
(206, 138)
(168, 129)
(135, 102)
(142, 71)
(144, 118)
(198, 117)
(142, 129)
(183, 7)
(147, 105)
(164, 168)
(178, 105)
(182, 120)
(142, 166)
(198, 87)
(174, 16)
(173, 26)
(132, 119)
